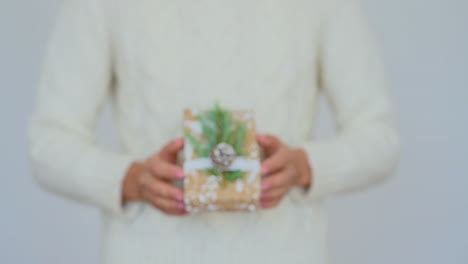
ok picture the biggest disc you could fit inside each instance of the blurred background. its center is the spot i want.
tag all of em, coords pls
(418, 216)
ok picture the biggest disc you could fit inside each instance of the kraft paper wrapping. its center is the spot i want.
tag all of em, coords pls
(207, 192)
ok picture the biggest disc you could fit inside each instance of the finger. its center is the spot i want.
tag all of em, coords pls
(169, 151)
(274, 194)
(167, 206)
(276, 180)
(165, 170)
(270, 204)
(161, 188)
(275, 162)
(269, 143)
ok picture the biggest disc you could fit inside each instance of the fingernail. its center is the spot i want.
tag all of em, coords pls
(265, 187)
(180, 174)
(264, 170)
(180, 205)
(180, 197)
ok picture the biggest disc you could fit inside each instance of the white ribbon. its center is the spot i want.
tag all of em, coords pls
(239, 163)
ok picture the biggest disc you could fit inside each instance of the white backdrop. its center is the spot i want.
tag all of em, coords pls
(419, 216)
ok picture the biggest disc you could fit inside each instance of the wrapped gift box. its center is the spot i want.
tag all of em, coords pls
(221, 160)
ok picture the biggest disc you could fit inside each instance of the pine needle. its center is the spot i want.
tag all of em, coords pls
(198, 147)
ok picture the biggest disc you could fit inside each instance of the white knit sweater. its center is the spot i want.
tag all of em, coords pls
(156, 57)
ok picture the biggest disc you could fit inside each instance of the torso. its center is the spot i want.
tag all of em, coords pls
(260, 55)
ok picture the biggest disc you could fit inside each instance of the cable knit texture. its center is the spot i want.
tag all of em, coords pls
(156, 57)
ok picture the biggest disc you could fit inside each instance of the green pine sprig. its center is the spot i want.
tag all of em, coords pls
(218, 126)
(199, 148)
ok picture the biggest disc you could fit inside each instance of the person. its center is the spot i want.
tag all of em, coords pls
(154, 58)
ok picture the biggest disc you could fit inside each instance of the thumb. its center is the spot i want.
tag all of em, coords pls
(269, 143)
(169, 151)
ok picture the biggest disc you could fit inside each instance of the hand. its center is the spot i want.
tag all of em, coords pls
(150, 181)
(284, 168)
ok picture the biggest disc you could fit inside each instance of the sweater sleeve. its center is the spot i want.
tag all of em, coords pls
(73, 89)
(365, 149)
